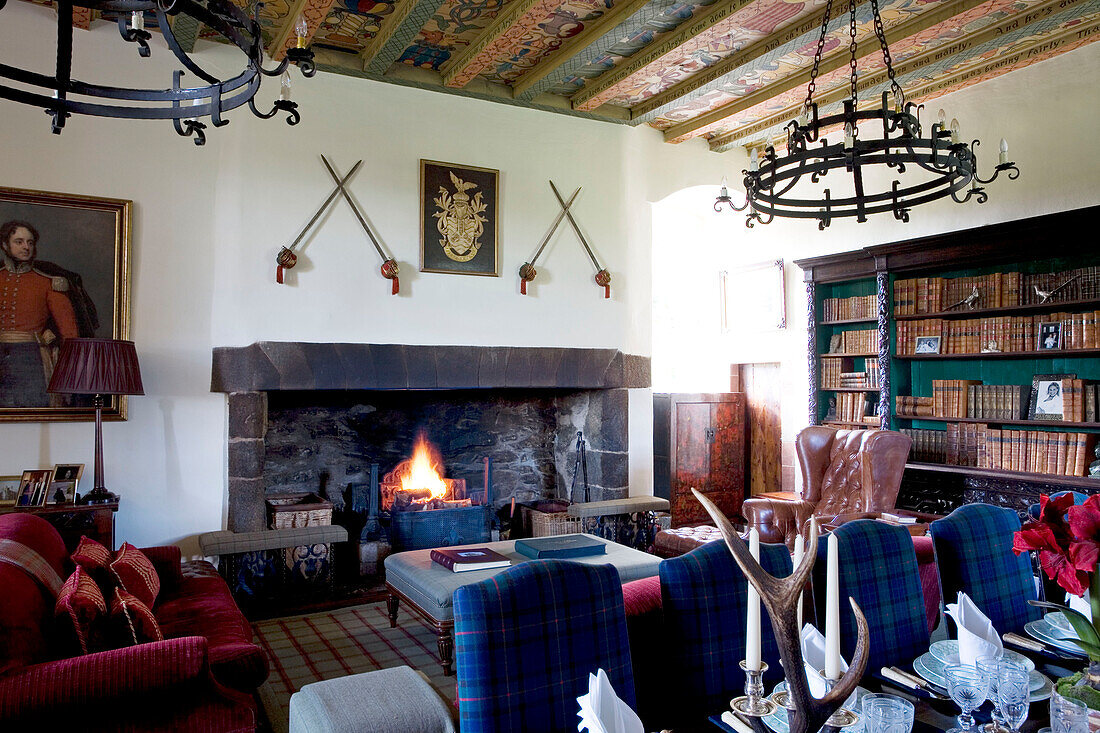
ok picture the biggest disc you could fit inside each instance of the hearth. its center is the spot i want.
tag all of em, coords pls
(319, 417)
(424, 509)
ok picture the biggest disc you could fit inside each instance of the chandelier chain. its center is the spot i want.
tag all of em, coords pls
(852, 46)
(895, 88)
(817, 54)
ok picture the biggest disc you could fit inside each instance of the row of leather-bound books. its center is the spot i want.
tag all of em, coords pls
(1003, 333)
(994, 290)
(980, 446)
(845, 309)
(970, 398)
(833, 376)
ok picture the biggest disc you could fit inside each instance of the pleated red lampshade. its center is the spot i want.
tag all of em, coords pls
(96, 366)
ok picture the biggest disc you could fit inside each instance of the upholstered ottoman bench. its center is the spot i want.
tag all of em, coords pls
(395, 700)
(682, 540)
(427, 588)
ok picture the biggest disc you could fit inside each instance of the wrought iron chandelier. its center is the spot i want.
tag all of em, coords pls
(62, 96)
(950, 166)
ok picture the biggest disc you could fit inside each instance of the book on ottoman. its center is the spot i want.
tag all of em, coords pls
(568, 545)
(472, 558)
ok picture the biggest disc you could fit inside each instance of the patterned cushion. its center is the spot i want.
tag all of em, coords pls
(132, 570)
(93, 557)
(79, 611)
(134, 623)
(974, 555)
(528, 638)
(703, 596)
(878, 568)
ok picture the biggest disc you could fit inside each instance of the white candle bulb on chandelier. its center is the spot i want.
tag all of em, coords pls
(1004, 151)
(754, 160)
(301, 30)
(954, 130)
(284, 84)
(849, 136)
(724, 191)
(137, 20)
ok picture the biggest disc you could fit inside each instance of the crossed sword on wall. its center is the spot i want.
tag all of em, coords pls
(286, 258)
(527, 271)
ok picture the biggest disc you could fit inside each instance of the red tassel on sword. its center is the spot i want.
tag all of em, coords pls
(390, 271)
(526, 272)
(285, 260)
(603, 279)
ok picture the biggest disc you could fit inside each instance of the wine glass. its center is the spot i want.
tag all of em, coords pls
(1068, 715)
(990, 666)
(887, 714)
(968, 688)
(1013, 695)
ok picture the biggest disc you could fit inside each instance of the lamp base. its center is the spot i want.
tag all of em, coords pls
(99, 495)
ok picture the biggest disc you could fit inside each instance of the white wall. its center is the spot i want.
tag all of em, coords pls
(208, 222)
(1047, 112)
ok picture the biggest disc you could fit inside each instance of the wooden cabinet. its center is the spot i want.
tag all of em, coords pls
(74, 521)
(706, 443)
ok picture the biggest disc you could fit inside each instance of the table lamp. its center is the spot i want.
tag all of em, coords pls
(97, 367)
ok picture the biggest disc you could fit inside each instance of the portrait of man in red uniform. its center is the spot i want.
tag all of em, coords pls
(41, 304)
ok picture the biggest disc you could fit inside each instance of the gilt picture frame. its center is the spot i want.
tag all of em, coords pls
(68, 258)
(459, 219)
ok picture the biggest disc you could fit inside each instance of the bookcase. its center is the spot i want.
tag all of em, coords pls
(947, 337)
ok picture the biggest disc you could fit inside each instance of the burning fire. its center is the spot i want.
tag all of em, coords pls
(423, 472)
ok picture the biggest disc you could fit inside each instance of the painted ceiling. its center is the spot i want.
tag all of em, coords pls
(730, 71)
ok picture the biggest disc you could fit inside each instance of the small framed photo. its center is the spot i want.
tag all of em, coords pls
(68, 472)
(33, 487)
(1047, 396)
(928, 345)
(9, 489)
(1050, 336)
(61, 492)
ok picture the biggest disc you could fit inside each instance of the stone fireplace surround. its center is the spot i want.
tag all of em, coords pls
(248, 374)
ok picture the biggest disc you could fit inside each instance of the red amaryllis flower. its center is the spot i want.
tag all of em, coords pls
(1062, 555)
(1084, 520)
(1037, 536)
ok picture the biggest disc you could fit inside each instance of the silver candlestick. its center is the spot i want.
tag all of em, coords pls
(753, 703)
(843, 717)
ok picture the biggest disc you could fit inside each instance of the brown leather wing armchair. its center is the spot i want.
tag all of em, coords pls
(843, 472)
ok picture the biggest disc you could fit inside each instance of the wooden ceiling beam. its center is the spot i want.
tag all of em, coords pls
(672, 46)
(493, 41)
(570, 47)
(784, 41)
(396, 34)
(879, 80)
(868, 46)
(314, 12)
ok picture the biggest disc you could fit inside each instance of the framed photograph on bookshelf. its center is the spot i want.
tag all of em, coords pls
(1047, 398)
(33, 486)
(9, 489)
(927, 345)
(1050, 336)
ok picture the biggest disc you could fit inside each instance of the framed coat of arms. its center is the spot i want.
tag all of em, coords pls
(458, 219)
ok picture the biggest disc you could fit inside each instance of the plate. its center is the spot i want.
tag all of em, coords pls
(777, 721)
(1059, 623)
(932, 669)
(1047, 634)
(948, 652)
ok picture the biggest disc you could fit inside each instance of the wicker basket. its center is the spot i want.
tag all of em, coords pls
(298, 510)
(544, 524)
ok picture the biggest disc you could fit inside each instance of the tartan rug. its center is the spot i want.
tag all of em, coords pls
(321, 646)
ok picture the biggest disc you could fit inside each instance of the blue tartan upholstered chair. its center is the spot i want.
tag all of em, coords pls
(878, 568)
(527, 639)
(974, 555)
(703, 596)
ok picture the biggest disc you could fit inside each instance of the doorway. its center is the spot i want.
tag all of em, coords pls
(762, 385)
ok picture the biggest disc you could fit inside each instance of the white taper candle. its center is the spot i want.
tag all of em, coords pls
(832, 611)
(752, 631)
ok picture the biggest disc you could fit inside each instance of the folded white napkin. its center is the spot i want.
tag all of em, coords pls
(601, 710)
(813, 654)
(1080, 604)
(977, 637)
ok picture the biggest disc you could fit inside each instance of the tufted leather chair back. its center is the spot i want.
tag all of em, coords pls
(849, 471)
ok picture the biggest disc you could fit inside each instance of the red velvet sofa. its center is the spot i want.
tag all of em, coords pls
(200, 678)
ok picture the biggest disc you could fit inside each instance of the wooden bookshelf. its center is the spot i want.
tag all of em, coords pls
(1042, 249)
(849, 321)
(1009, 310)
(1077, 481)
(1044, 354)
(849, 389)
(985, 421)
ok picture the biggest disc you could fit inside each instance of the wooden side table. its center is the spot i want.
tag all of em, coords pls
(73, 521)
(917, 529)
